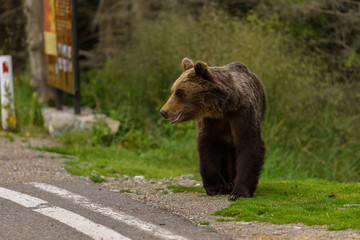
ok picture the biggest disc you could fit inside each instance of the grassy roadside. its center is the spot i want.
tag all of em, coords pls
(308, 201)
(137, 154)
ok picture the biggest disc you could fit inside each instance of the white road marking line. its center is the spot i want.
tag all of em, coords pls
(127, 219)
(80, 223)
(20, 198)
(84, 225)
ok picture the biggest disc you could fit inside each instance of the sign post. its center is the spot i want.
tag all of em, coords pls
(8, 117)
(61, 51)
(76, 62)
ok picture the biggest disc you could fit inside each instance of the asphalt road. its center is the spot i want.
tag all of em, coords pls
(83, 210)
(39, 200)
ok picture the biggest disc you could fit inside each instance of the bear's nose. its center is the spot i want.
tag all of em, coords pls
(163, 114)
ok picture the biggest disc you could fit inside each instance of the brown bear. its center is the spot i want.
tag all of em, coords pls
(228, 103)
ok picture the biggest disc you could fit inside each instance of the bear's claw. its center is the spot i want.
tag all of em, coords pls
(236, 196)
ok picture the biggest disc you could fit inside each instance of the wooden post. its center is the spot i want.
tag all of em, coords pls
(77, 106)
(59, 99)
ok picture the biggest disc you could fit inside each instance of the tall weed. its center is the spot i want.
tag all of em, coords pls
(27, 108)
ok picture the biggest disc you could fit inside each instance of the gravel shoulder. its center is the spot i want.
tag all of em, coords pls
(19, 163)
(198, 208)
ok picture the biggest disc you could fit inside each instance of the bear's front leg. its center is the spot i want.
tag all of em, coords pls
(250, 153)
(211, 154)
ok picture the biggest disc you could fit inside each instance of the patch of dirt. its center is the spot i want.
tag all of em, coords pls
(198, 208)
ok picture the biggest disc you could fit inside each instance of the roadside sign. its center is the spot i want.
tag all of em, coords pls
(8, 117)
(60, 45)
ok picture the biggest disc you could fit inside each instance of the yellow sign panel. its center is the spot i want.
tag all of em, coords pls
(50, 43)
(59, 44)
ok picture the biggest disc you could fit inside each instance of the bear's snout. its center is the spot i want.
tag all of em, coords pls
(163, 113)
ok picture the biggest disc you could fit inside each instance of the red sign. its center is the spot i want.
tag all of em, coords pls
(5, 68)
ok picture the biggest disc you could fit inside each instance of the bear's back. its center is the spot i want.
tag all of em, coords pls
(237, 75)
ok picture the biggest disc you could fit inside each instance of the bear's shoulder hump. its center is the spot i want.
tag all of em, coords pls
(238, 67)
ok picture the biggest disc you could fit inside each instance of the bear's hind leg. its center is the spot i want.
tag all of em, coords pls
(228, 168)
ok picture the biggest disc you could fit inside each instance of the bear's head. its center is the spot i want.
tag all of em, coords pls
(189, 94)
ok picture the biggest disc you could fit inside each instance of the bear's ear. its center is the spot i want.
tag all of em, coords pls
(187, 64)
(202, 70)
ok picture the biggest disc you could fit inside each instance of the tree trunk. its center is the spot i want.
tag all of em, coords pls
(33, 11)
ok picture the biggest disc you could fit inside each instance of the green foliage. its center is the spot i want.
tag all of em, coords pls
(310, 201)
(310, 125)
(137, 153)
(180, 189)
(331, 25)
(204, 223)
(126, 190)
(101, 134)
(351, 62)
(154, 163)
(55, 149)
(8, 136)
(27, 108)
(97, 178)
(36, 115)
(310, 121)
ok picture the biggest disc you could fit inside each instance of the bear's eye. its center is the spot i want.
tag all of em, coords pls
(180, 93)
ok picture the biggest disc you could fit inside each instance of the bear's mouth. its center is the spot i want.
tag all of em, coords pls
(175, 120)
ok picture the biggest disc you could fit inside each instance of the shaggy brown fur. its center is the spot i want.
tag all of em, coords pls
(228, 104)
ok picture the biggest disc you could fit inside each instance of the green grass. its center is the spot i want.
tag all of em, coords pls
(55, 149)
(8, 136)
(126, 190)
(180, 189)
(27, 108)
(97, 178)
(204, 223)
(137, 154)
(112, 160)
(309, 201)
